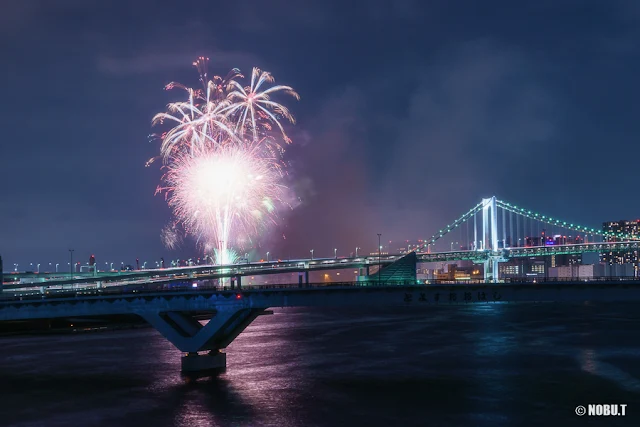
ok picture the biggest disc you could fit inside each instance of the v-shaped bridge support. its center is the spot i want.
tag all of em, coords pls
(191, 337)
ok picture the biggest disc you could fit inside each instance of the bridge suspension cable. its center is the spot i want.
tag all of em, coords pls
(455, 224)
(563, 224)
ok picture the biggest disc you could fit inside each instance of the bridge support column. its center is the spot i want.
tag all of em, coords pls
(239, 281)
(194, 364)
(191, 337)
(490, 224)
(491, 268)
(306, 278)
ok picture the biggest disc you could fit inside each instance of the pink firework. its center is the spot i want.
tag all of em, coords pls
(226, 197)
(224, 169)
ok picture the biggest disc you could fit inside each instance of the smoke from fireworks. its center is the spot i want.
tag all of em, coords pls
(224, 173)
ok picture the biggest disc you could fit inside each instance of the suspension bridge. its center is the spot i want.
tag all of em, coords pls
(491, 232)
(494, 231)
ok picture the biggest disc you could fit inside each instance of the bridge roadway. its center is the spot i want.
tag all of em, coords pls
(202, 272)
(305, 265)
(170, 311)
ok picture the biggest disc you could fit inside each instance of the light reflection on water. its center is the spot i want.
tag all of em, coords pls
(590, 363)
(491, 365)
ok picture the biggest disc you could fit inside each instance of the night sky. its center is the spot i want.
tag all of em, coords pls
(410, 113)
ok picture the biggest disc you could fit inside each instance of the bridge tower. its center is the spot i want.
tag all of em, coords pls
(490, 238)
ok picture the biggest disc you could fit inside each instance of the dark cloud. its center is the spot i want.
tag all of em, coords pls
(18, 18)
(411, 112)
(478, 104)
(165, 61)
(471, 120)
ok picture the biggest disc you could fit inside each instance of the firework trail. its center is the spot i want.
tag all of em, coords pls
(223, 164)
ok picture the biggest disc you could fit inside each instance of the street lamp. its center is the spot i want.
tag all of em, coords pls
(57, 267)
(335, 253)
(311, 253)
(267, 256)
(144, 265)
(121, 265)
(15, 267)
(246, 256)
(357, 251)
(38, 268)
(71, 262)
(379, 259)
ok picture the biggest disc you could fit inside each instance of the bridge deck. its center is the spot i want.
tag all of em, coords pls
(118, 301)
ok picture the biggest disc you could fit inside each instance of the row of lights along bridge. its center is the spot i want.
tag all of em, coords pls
(109, 266)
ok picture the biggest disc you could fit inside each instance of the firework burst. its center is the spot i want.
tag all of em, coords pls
(170, 236)
(223, 164)
(226, 195)
(253, 107)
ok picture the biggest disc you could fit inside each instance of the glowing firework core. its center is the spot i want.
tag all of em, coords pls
(218, 192)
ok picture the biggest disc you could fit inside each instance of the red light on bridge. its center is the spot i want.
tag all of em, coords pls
(238, 296)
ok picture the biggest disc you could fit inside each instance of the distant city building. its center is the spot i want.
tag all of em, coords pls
(623, 226)
(620, 270)
(522, 267)
(549, 240)
(577, 271)
(455, 272)
(631, 257)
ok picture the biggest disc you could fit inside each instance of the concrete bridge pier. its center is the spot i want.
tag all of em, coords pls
(306, 279)
(203, 344)
(211, 363)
